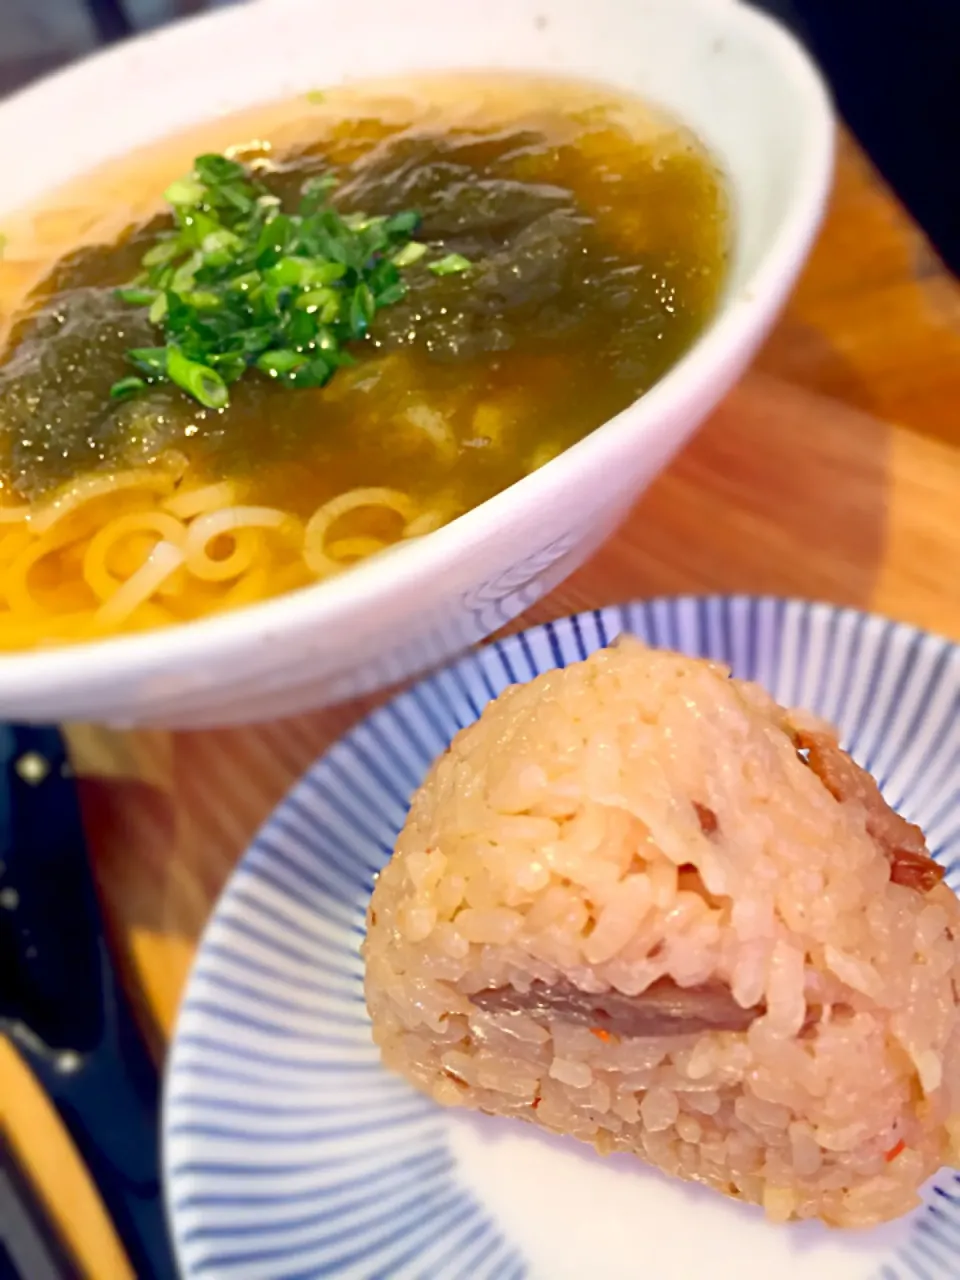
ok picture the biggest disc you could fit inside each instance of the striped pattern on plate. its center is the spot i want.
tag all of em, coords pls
(291, 1153)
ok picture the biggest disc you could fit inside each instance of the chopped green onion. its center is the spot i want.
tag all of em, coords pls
(317, 373)
(4, 241)
(450, 265)
(149, 360)
(304, 272)
(159, 308)
(316, 96)
(276, 363)
(246, 282)
(199, 225)
(361, 222)
(162, 253)
(202, 299)
(273, 298)
(215, 169)
(182, 279)
(185, 192)
(236, 283)
(127, 387)
(325, 273)
(240, 200)
(221, 245)
(230, 366)
(198, 380)
(301, 330)
(362, 308)
(286, 272)
(274, 238)
(391, 293)
(137, 297)
(403, 224)
(330, 311)
(411, 252)
(316, 299)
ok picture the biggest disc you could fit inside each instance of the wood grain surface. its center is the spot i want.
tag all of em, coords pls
(833, 471)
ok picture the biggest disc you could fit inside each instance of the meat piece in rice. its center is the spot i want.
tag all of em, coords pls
(901, 842)
(639, 903)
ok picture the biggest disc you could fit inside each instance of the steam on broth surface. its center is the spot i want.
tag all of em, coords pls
(466, 278)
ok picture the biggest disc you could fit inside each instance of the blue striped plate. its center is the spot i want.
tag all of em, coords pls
(291, 1153)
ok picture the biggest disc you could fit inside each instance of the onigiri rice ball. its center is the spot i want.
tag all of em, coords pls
(639, 903)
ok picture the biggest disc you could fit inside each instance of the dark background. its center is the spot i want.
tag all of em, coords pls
(894, 66)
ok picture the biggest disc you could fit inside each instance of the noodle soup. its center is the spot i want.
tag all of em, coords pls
(241, 361)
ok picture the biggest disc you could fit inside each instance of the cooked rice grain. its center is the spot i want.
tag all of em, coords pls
(641, 818)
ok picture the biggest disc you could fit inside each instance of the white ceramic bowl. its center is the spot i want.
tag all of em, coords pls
(741, 82)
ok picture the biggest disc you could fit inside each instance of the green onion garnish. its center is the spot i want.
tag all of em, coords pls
(185, 192)
(158, 308)
(151, 361)
(198, 380)
(450, 265)
(137, 297)
(280, 364)
(240, 283)
(411, 252)
(164, 251)
(127, 387)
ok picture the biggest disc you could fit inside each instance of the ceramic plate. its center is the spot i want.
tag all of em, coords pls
(291, 1153)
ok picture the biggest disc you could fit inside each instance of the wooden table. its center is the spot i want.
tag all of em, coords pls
(833, 472)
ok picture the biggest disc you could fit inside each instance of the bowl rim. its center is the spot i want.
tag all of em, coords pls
(740, 315)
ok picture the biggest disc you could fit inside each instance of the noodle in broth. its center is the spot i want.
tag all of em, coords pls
(573, 245)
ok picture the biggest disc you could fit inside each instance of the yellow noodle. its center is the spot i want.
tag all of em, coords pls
(424, 523)
(96, 571)
(196, 502)
(173, 588)
(355, 548)
(84, 491)
(237, 523)
(247, 546)
(265, 579)
(137, 554)
(15, 584)
(14, 515)
(127, 555)
(163, 560)
(249, 587)
(315, 553)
